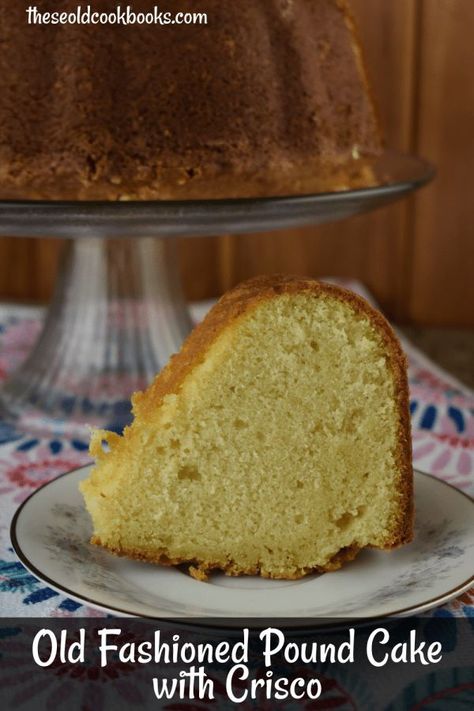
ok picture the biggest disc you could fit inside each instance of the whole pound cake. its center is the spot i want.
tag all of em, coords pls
(267, 97)
(277, 442)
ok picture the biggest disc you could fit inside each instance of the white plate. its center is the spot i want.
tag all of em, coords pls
(50, 533)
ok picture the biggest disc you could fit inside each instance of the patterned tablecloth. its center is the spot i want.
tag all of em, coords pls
(443, 444)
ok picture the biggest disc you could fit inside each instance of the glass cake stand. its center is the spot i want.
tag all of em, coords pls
(118, 312)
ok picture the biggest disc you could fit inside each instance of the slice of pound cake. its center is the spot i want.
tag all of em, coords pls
(277, 442)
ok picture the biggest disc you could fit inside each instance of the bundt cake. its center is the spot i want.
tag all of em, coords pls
(269, 96)
(277, 442)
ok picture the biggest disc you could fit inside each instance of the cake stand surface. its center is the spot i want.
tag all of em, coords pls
(118, 312)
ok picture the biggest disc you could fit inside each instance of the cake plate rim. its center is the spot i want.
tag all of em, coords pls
(210, 216)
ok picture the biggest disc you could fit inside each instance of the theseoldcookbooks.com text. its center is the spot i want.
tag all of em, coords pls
(126, 15)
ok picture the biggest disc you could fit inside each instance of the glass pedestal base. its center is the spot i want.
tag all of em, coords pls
(117, 315)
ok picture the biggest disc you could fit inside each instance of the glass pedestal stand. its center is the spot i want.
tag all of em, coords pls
(117, 315)
(118, 312)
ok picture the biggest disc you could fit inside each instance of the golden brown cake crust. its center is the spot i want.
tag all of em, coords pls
(233, 306)
(242, 106)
